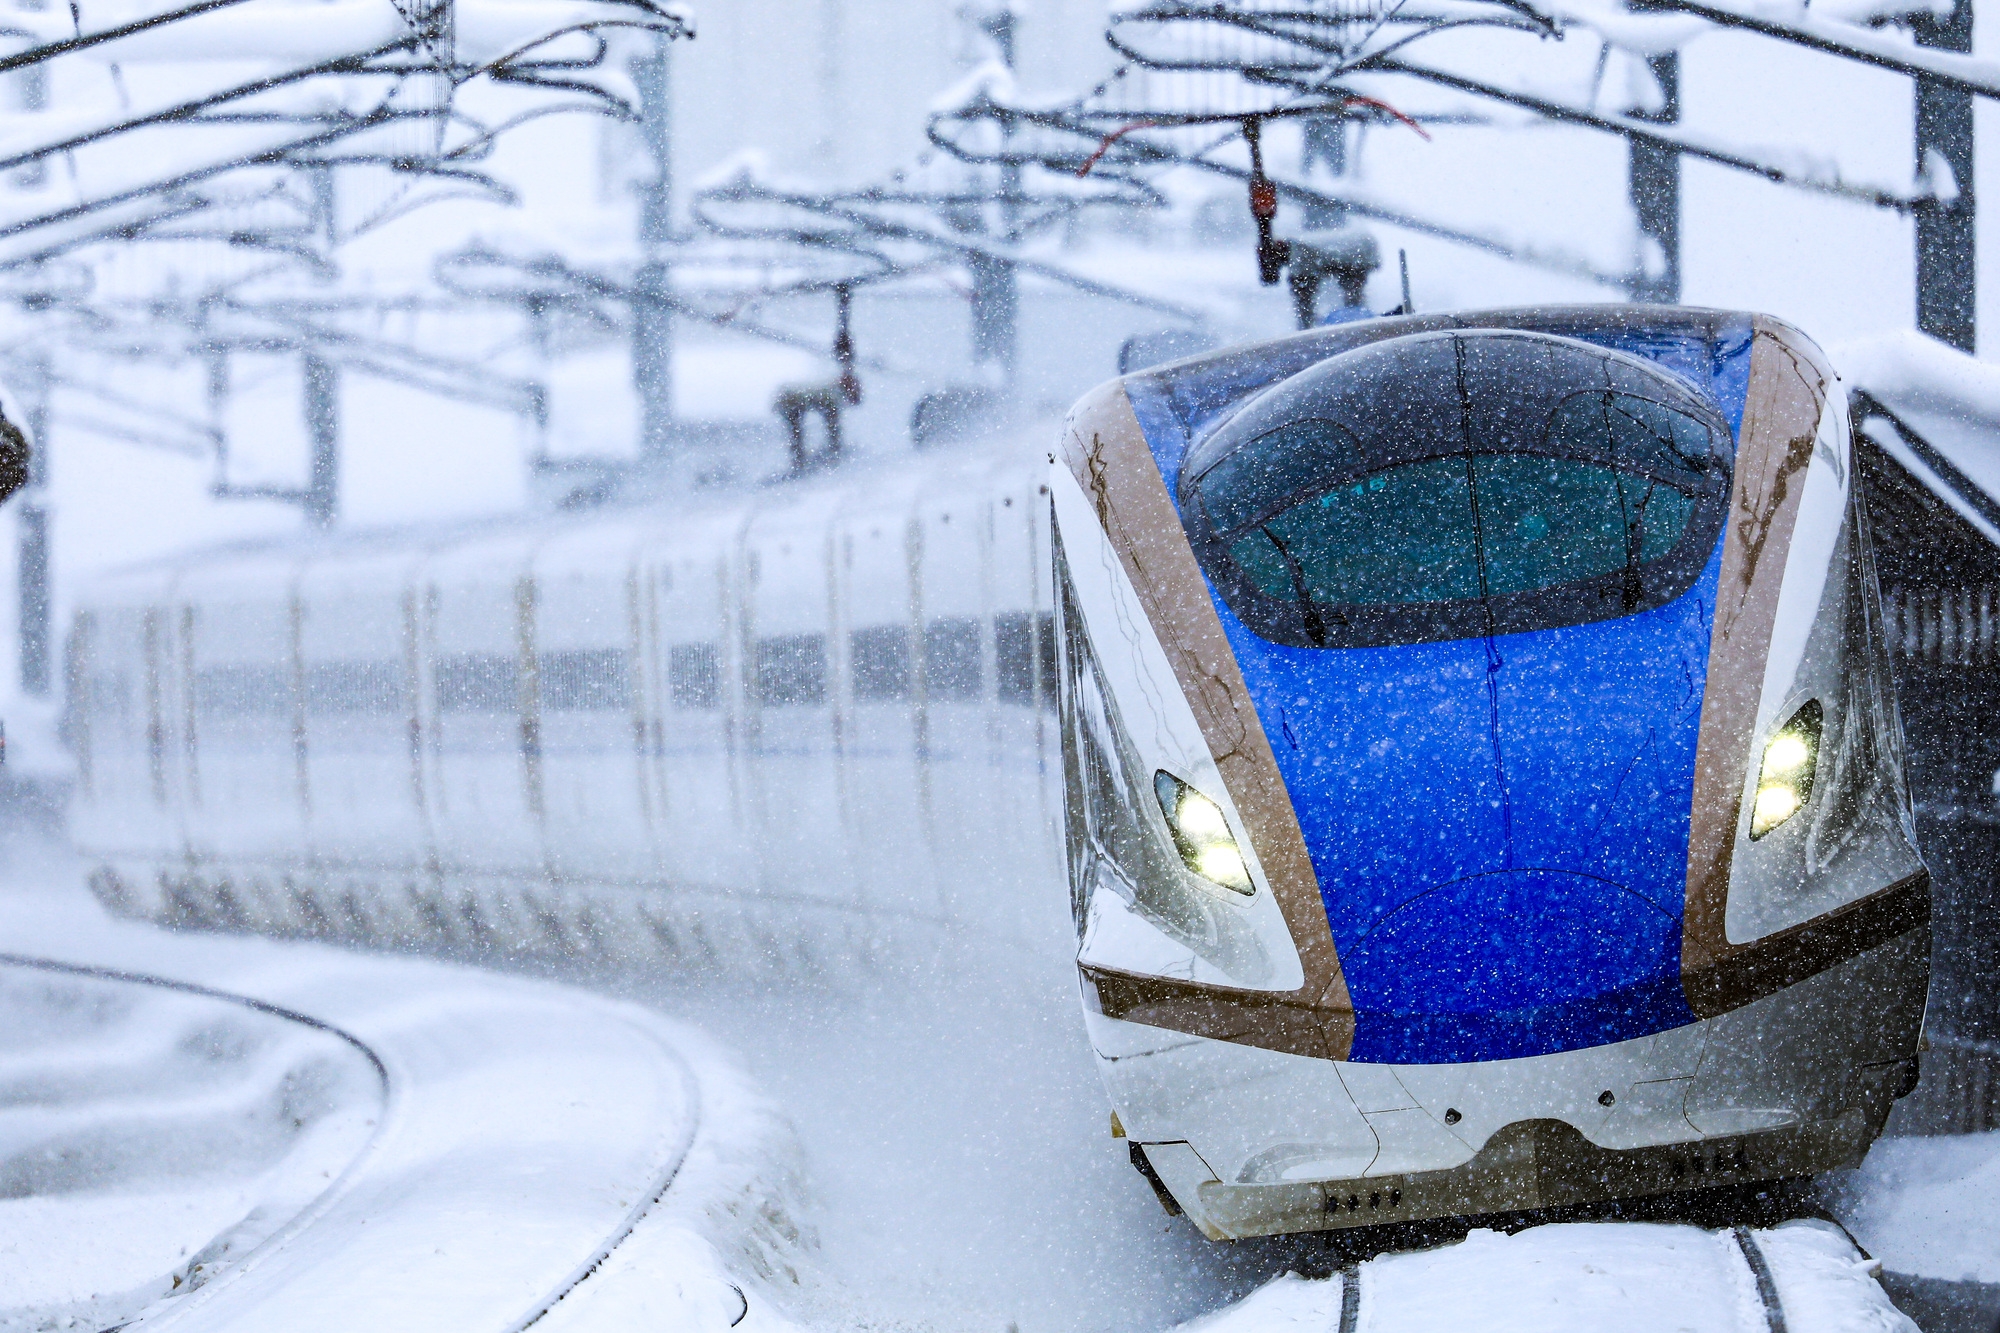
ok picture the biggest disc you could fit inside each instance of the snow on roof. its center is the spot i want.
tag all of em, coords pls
(1950, 404)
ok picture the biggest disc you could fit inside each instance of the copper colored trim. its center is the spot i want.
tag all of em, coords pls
(1789, 383)
(1750, 972)
(1106, 450)
(1275, 1021)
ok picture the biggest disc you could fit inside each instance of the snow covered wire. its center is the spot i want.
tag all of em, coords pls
(1066, 137)
(1804, 27)
(376, 77)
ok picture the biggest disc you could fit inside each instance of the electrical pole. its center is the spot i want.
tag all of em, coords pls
(1947, 266)
(652, 317)
(1325, 146)
(37, 661)
(1655, 185)
(322, 413)
(996, 287)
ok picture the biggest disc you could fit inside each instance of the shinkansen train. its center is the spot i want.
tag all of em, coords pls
(1472, 743)
(1483, 779)
(781, 732)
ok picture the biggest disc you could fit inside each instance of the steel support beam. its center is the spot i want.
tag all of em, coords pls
(322, 413)
(36, 673)
(1947, 262)
(652, 309)
(1655, 184)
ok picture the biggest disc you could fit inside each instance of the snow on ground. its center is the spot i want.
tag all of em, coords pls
(924, 1147)
(1927, 1205)
(1634, 1277)
(149, 1136)
(529, 1131)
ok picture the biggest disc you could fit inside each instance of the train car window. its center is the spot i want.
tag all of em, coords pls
(344, 688)
(790, 670)
(478, 683)
(1014, 656)
(242, 691)
(694, 676)
(952, 666)
(1472, 485)
(1550, 521)
(1024, 656)
(582, 680)
(881, 656)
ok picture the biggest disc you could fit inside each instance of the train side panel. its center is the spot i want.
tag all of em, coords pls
(598, 820)
(484, 756)
(363, 773)
(753, 736)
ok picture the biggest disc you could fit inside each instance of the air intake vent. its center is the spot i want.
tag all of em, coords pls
(1946, 626)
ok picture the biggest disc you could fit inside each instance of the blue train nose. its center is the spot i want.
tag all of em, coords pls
(1469, 581)
(1512, 963)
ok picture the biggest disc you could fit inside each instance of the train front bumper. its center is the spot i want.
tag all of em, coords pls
(1253, 1142)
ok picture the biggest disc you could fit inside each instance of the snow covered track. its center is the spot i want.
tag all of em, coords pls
(1801, 1277)
(152, 1132)
(520, 1137)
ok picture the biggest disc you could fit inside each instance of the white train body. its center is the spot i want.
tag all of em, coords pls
(812, 719)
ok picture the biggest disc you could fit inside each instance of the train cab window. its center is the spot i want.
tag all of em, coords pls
(1545, 522)
(694, 676)
(790, 670)
(952, 667)
(1506, 501)
(881, 658)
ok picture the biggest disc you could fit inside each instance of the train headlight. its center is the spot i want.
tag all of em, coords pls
(1201, 834)
(1785, 781)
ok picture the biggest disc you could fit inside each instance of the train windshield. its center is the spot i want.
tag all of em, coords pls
(1319, 535)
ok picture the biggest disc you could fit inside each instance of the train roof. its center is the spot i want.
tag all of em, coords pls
(695, 517)
(1935, 413)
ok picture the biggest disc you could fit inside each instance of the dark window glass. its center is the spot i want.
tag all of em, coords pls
(337, 688)
(791, 669)
(1014, 656)
(1607, 504)
(1404, 535)
(694, 675)
(952, 659)
(585, 680)
(1550, 521)
(881, 662)
(1024, 655)
(478, 683)
(1415, 533)
(242, 691)
(1633, 430)
(1271, 471)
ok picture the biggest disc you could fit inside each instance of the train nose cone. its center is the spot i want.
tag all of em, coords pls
(1511, 963)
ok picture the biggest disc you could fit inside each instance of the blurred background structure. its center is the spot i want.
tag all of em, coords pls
(299, 264)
